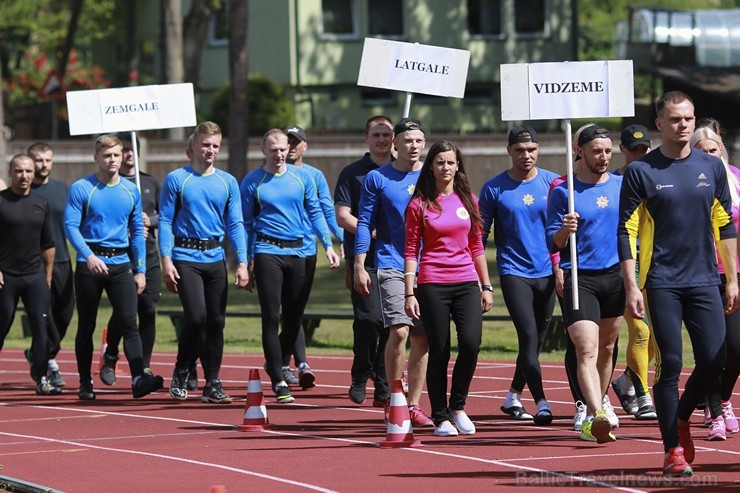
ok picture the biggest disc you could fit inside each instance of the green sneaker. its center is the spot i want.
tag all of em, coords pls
(601, 428)
(586, 431)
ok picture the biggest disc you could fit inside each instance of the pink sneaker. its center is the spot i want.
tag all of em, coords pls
(419, 417)
(717, 429)
(731, 424)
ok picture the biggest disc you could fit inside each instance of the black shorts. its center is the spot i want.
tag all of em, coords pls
(600, 294)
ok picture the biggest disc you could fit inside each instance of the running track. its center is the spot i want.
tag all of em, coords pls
(322, 442)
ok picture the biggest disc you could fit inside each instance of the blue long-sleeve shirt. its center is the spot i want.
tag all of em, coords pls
(193, 205)
(385, 194)
(278, 205)
(327, 206)
(106, 216)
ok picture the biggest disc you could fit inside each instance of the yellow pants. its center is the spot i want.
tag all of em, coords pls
(640, 351)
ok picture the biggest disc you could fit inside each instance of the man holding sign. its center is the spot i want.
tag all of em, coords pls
(594, 326)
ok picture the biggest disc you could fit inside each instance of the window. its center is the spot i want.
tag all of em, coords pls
(339, 18)
(385, 18)
(484, 17)
(218, 27)
(530, 18)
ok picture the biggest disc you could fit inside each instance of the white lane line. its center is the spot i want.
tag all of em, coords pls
(177, 459)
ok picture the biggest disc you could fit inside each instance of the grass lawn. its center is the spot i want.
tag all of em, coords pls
(242, 335)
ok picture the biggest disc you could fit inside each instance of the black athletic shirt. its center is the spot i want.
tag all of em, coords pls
(150, 204)
(55, 192)
(25, 230)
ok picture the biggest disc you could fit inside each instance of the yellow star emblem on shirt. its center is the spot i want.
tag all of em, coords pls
(528, 199)
(410, 189)
(602, 202)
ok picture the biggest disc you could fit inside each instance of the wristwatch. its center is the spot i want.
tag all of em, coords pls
(487, 287)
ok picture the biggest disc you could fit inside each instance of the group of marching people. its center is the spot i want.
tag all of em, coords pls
(654, 244)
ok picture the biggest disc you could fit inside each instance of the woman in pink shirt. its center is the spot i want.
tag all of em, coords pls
(443, 239)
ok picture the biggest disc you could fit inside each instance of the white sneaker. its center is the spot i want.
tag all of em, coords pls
(445, 429)
(607, 406)
(580, 416)
(463, 423)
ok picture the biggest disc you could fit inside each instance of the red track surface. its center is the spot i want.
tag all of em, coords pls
(322, 442)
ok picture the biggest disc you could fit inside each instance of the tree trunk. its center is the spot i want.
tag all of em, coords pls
(172, 68)
(70, 40)
(196, 27)
(238, 103)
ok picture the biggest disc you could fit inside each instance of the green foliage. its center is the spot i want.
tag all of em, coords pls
(33, 68)
(268, 106)
(45, 22)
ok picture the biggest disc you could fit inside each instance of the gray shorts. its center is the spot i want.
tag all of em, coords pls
(392, 300)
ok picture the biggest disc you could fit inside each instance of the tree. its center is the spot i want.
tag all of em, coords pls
(195, 27)
(238, 95)
(173, 68)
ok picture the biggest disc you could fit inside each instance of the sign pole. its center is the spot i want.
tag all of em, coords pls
(571, 209)
(135, 148)
(407, 105)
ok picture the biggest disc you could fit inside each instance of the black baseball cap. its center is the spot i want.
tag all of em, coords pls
(635, 135)
(408, 124)
(522, 133)
(591, 133)
(296, 132)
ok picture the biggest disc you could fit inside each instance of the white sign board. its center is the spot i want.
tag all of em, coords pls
(131, 108)
(415, 68)
(544, 91)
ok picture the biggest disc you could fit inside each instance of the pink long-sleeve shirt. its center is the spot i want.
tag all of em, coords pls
(447, 243)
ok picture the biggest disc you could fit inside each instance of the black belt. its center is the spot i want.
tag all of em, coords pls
(279, 242)
(201, 244)
(108, 252)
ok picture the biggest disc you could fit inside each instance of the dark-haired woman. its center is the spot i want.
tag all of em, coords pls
(443, 239)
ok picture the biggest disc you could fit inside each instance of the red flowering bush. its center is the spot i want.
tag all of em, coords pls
(26, 80)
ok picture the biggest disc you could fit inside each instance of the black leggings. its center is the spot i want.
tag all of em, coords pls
(121, 290)
(530, 303)
(203, 290)
(279, 281)
(34, 291)
(299, 347)
(700, 310)
(436, 303)
(722, 389)
(62, 305)
(147, 311)
(370, 337)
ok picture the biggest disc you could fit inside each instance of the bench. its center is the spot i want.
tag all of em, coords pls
(555, 340)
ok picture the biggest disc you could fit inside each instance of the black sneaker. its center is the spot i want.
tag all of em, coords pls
(380, 397)
(289, 376)
(44, 387)
(178, 387)
(214, 393)
(86, 391)
(306, 377)
(282, 393)
(358, 392)
(146, 385)
(192, 384)
(108, 370)
(55, 378)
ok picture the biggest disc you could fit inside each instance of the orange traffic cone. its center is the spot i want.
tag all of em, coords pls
(400, 432)
(255, 412)
(103, 347)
